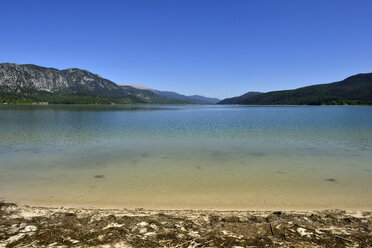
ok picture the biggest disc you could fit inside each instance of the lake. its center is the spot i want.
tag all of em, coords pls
(187, 156)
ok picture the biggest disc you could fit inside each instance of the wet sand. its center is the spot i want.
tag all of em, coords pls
(25, 226)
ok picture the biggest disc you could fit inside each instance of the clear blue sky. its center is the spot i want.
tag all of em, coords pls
(209, 47)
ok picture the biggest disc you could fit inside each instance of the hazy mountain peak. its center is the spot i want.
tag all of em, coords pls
(177, 96)
(138, 86)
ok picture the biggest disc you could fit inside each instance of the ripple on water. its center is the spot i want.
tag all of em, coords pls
(258, 154)
(250, 155)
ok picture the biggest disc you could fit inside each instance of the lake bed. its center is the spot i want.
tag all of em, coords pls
(187, 156)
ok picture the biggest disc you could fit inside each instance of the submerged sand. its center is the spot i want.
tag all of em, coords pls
(25, 226)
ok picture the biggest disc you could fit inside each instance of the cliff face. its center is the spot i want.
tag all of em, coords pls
(31, 83)
(70, 81)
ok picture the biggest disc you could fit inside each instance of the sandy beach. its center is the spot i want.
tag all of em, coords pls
(26, 226)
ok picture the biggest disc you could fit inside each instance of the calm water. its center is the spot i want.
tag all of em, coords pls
(227, 157)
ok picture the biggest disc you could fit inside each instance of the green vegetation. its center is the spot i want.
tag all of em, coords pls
(35, 96)
(355, 90)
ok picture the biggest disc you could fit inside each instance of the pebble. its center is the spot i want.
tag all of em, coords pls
(303, 232)
(143, 224)
(29, 229)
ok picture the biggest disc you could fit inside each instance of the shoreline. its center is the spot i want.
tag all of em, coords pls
(22, 226)
(181, 104)
(165, 207)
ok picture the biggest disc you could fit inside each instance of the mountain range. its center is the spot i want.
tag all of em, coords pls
(354, 90)
(31, 83)
(179, 97)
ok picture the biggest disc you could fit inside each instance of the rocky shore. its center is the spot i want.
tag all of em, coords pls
(25, 226)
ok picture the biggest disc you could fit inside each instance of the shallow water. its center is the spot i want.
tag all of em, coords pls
(220, 157)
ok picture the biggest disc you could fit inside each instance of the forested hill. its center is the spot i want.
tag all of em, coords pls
(354, 90)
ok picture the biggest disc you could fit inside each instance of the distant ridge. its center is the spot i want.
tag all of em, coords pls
(354, 90)
(196, 99)
(238, 99)
(138, 86)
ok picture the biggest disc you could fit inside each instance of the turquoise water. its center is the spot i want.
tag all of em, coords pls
(224, 157)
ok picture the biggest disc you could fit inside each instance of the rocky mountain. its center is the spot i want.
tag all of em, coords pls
(31, 83)
(354, 90)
